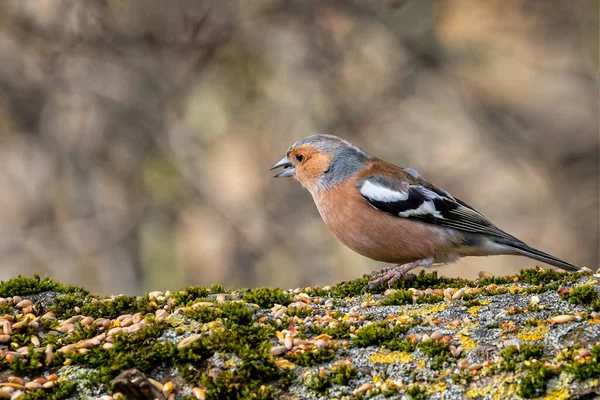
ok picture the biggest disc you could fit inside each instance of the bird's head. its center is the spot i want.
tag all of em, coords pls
(320, 162)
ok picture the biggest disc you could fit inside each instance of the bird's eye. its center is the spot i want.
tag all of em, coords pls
(299, 157)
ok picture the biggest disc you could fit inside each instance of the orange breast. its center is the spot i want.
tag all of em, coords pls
(379, 235)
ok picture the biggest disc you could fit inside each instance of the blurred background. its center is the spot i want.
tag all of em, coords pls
(136, 136)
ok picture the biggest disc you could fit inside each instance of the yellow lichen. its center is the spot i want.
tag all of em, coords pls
(499, 388)
(438, 387)
(561, 394)
(530, 334)
(427, 309)
(464, 337)
(285, 364)
(564, 354)
(421, 364)
(485, 302)
(515, 289)
(474, 310)
(467, 342)
(387, 357)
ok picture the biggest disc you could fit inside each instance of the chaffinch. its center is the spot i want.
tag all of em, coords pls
(392, 214)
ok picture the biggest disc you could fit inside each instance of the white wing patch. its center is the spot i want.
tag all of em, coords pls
(380, 193)
(426, 208)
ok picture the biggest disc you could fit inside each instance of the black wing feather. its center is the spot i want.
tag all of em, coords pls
(448, 211)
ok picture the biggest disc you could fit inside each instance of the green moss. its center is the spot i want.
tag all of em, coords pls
(341, 331)
(533, 384)
(141, 350)
(596, 305)
(252, 345)
(423, 280)
(61, 390)
(21, 286)
(203, 314)
(237, 312)
(514, 355)
(498, 280)
(230, 313)
(589, 368)
(190, 295)
(320, 381)
(267, 297)
(532, 322)
(398, 298)
(378, 333)
(29, 366)
(438, 351)
(426, 280)
(536, 276)
(118, 306)
(343, 373)
(398, 344)
(311, 357)
(469, 299)
(353, 288)
(463, 378)
(493, 325)
(317, 381)
(583, 294)
(514, 310)
(316, 292)
(64, 305)
(218, 289)
(429, 299)
(6, 309)
(533, 308)
(417, 392)
(300, 312)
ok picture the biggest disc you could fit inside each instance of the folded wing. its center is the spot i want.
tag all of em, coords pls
(412, 197)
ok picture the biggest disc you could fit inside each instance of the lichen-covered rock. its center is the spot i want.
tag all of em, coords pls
(532, 335)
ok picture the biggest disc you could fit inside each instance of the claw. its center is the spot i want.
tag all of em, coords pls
(392, 274)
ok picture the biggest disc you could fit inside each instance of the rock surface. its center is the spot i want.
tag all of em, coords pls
(532, 335)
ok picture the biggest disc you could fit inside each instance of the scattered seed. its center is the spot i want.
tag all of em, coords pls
(363, 388)
(277, 350)
(561, 319)
(287, 342)
(16, 386)
(49, 355)
(16, 379)
(167, 389)
(189, 340)
(199, 393)
(458, 294)
(463, 363)
(475, 367)
(33, 385)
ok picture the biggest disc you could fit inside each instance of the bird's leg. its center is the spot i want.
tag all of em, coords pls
(394, 273)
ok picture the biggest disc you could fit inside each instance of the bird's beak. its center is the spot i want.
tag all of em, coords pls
(287, 171)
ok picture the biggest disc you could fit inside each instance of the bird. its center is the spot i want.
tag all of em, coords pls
(392, 214)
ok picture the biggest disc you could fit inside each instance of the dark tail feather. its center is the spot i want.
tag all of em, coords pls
(530, 252)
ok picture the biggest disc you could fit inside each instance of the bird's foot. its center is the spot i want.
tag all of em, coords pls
(395, 273)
